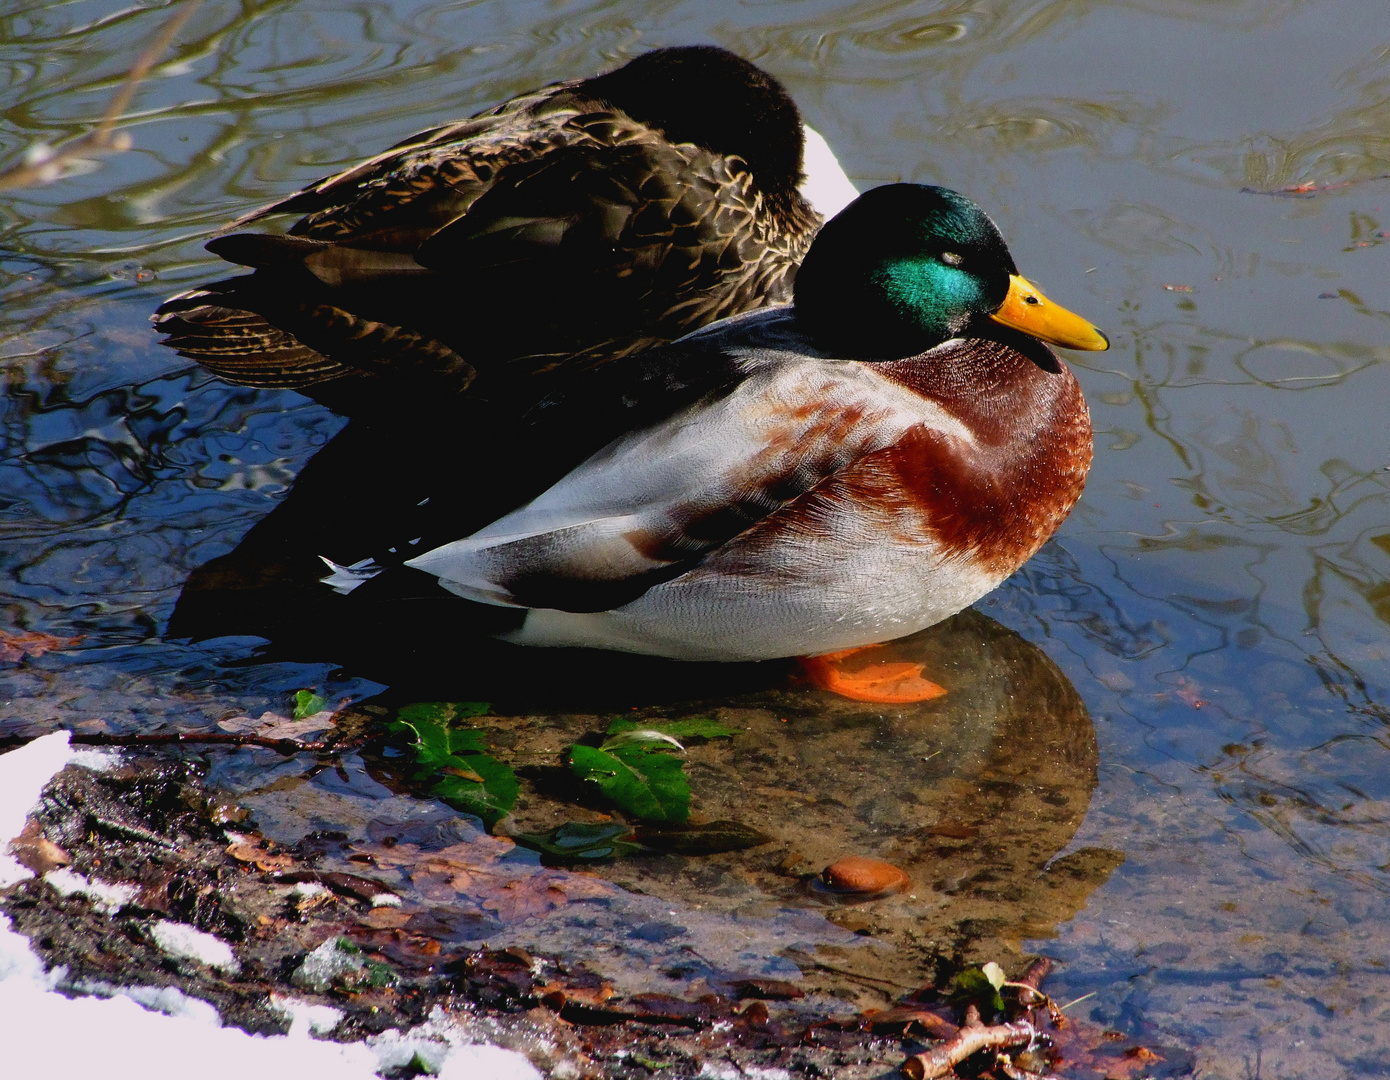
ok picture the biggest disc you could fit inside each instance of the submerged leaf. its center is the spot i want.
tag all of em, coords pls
(577, 841)
(702, 727)
(451, 762)
(306, 703)
(489, 799)
(644, 783)
(711, 838)
(641, 737)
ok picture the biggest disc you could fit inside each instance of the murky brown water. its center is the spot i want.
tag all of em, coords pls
(1218, 603)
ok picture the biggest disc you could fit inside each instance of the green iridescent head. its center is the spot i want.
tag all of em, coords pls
(907, 266)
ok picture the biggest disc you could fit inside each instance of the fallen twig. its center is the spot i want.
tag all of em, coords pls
(130, 832)
(1027, 986)
(971, 1039)
(1310, 190)
(284, 746)
(44, 164)
(1078, 1001)
(1037, 971)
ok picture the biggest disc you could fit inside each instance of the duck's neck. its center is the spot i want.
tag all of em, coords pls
(995, 499)
(1005, 392)
(718, 101)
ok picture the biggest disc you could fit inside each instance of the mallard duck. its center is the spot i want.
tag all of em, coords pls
(569, 226)
(800, 480)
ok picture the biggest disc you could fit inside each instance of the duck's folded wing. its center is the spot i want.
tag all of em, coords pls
(345, 188)
(535, 254)
(650, 506)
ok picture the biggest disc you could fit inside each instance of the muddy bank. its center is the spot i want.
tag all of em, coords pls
(149, 880)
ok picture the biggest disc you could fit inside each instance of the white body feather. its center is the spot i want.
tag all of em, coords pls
(851, 580)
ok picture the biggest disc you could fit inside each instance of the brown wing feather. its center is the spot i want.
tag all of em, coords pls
(549, 231)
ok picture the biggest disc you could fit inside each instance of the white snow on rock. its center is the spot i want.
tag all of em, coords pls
(336, 958)
(105, 897)
(442, 1047)
(306, 1017)
(189, 943)
(159, 1033)
(23, 773)
(713, 1071)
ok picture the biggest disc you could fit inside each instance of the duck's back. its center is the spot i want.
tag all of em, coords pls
(554, 229)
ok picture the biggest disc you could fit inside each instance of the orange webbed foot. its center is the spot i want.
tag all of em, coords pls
(884, 683)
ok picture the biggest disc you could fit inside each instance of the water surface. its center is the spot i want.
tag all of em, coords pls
(1219, 600)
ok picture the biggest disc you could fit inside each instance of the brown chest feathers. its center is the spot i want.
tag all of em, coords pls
(998, 500)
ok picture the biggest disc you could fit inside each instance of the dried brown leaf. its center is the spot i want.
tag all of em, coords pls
(15, 645)
(385, 918)
(36, 852)
(251, 851)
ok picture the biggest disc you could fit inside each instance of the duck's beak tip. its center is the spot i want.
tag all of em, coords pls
(1027, 309)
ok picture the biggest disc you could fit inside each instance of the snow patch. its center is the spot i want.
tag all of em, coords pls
(106, 898)
(23, 773)
(95, 759)
(187, 942)
(441, 1046)
(169, 1000)
(305, 1017)
(711, 1071)
(338, 962)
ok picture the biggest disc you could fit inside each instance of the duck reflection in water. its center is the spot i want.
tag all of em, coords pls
(971, 794)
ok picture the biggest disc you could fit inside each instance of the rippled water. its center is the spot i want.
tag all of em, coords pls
(1219, 600)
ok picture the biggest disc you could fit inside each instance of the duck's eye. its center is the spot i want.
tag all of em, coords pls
(950, 258)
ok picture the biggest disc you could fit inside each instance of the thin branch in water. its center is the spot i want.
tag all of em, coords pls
(973, 1038)
(43, 164)
(284, 746)
(1078, 1001)
(1310, 190)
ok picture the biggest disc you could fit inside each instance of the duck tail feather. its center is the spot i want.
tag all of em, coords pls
(343, 579)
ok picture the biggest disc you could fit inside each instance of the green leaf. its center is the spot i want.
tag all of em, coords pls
(306, 703)
(975, 985)
(489, 800)
(710, 838)
(577, 841)
(451, 762)
(691, 727)
(644, 783)
(645, 737)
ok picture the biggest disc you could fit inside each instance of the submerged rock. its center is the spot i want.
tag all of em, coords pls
(858, 874)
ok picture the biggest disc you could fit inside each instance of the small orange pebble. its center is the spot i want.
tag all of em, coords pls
(857, 874)
(883, 682)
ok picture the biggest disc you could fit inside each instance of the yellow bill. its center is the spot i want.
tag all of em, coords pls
(1027, 309)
